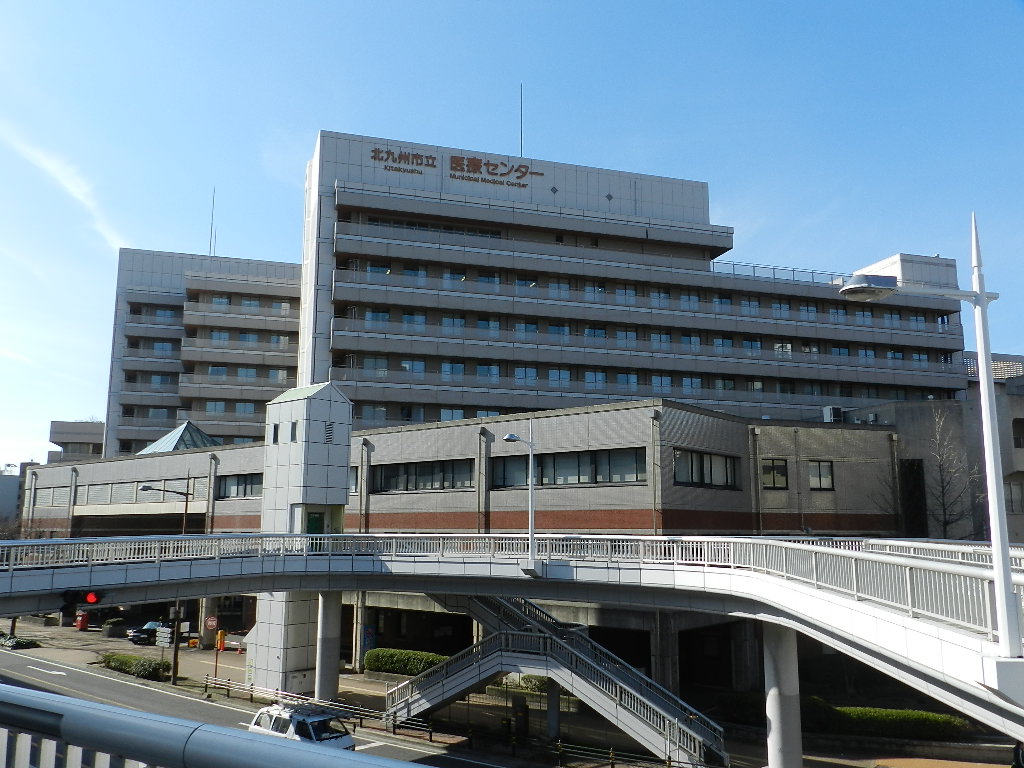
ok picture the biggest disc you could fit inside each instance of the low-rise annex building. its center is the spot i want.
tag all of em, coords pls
(635, 468)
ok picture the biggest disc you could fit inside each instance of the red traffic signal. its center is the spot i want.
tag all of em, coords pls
(74, 597)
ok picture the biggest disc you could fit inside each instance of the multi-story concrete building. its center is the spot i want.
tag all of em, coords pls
(203, 338)
(77, 440)
(441, 284)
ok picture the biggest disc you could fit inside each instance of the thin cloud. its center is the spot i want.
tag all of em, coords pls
(10, 354)
(67, 178)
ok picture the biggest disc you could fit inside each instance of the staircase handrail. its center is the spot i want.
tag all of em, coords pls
(586, 646)
(690, 732)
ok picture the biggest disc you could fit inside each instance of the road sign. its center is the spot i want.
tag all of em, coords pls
(163, 637)
(210, 622)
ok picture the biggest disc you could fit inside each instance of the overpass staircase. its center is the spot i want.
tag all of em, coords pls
(526, 639)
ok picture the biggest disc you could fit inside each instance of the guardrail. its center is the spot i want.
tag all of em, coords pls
(938, 588)
(45, 730)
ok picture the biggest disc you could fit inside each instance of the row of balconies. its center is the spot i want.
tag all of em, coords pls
(343, 328)
(262, 382)
(345, 278)
(201, 307)
(235, 345)
(525, 385)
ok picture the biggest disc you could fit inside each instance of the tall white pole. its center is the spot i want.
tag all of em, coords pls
(1007, 604)
(529, 498)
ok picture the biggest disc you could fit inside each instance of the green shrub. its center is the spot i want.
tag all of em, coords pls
(818, 716)
(115, 622)
(139, 666)
(903, 724)
(16, 643)
(534, 683)
(400, 662)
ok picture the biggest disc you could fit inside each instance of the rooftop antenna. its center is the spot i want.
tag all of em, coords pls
(213, 207)
(520, 119)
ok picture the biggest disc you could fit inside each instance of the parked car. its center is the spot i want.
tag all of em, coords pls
(146, 634)
(303, 722)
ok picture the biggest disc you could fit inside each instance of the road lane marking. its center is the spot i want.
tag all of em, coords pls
(370, 745)
(45, 671)
(154, 689)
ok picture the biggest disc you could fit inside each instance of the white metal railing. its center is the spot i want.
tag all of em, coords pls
(943, 589)
(690, 734)
(515, 611)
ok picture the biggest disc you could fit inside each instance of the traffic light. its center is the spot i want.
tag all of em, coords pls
(75, 597)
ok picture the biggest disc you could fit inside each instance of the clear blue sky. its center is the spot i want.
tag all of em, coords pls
(832, 134)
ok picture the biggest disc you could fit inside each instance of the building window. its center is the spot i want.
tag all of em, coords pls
(422, 476)
(248, 338)
(412, 414)
(452, 370)
(247, 373)
(775, 474)
(595, 332)
(559, 377)
(415, 368)
(780, 307)
(558, 329)
(595, 379)
(626, 337)
(558, 288)
(490, 324)
(490, 278)
(661, 339)
(593, 289)
(692, 383)
(163, 347)
(373, 412)
(453, 321)
(840, 351)
(750, 305)
(486, 414)
(618, 465)
(277, 374)
(220, 300)
(837, 314)
(454, 275)
(278, 340)
(164, 313)
(820, 475)
(867, 353)
(526, 375)
(661, 383)
(659, 297)
(626, 382)
(524, 327)
(274, 433)
(452, 414)
(488, 370)
(237, 486)
(722, 342)
(250, 302)
(215, 406)
(295, 431)
(752, 343)
(245, 409)
(376, 317)
(783, 350)
(724, 383)
(414, 320)
(625, 294)
(710, 470)
(377, 366)
(158, 413)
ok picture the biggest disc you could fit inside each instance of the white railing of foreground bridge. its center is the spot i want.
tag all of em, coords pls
(943, 589)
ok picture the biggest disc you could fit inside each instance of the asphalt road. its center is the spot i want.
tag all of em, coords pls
(70, 680)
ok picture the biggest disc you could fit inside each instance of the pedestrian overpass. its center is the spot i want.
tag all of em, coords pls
(921, 612)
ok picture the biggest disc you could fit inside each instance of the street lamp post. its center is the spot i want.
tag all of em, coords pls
(531, 523)
(862, 287)
(176, 619)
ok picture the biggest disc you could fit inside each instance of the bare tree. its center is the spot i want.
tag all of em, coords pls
(951, 484)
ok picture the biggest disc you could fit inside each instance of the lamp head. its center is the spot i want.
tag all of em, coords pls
(511, 438)
(869, 287)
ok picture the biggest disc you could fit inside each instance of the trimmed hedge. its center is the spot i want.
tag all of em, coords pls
(818, 716)
(139, 666)
(401, 662)
(534, 683)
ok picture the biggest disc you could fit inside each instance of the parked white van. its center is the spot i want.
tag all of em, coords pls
(303, 723)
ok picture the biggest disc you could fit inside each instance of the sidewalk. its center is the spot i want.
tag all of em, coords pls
(69, 646)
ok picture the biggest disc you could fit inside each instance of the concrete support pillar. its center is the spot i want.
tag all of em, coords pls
(328, 646)
(478, 631)
(665, 651)
(554, 710)
(207, 607)
(746, 664)
(782, 697)
(358, 622)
